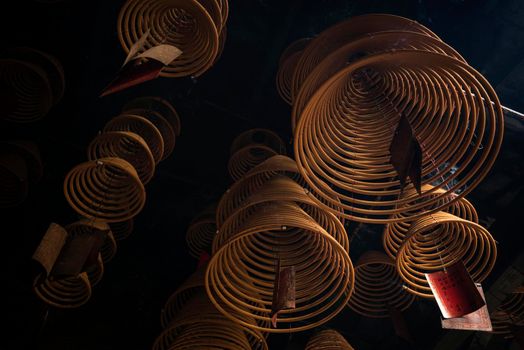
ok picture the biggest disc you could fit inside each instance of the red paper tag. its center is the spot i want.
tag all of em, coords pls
(455, 291)
(283, 292)
(134, 73)
(476, 321)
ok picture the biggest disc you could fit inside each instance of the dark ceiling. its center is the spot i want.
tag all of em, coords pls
(238, 93)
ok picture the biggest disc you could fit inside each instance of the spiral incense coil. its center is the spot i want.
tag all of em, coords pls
(31, 154)
(107, 189)
(158, 105)
(128, 146)
(378, 286)
(241, 274)
(69, 293)
(251, 148)
(199, 325)
(508, 315)
(328, 340)
(439, 240)
(280, 189)
(395, 233)
(122, 230)
(344, 134)
(143, 128)
(109, 248)
(13, 180)
(200, 234)
(191, 26)
(358, 48)
(251, 181)
(332, 38)
(287, 64)
(224, 11)
(26, 91)
(182, 296)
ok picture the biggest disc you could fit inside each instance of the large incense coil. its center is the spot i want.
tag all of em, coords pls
(107, 190)
(159, 105)
(347, 155)
(32, 82)
(224, 11)
(378, 287)
(122, 230)
(328, 340)
(280, 189)
(143, 128)
(252, 180)
(508, 315)
(287, 64)
(251, 148)
(185, 24)
(358, 48)
(26, 92)
(182, 296)
(395, 233)
(13, 180)
(200, 233)
(163, 126)
(128, 146)
(199, 325)
(332, 38)
(439, 240)
(70, 292)
(241, 274)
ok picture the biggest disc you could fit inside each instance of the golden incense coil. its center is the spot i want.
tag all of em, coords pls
(143, 128)
(378, 287)
(121, 230)
(107, 190)
(344, 134)
(158, 105)
(200, 233)
(70, 292)
(127, 146)
(241, 273)
(190, 25)
(439, 240)
(328, 340)
(509, 315)
(287, 64)
(395, 233)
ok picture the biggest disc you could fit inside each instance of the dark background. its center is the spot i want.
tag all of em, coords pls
(238, 93)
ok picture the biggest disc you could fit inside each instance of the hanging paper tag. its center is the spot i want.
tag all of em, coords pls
(455, 291)
(139, 68)
(204, 258)
(283, 292)
(406, 155)
(50, 246)
(399, 324)
(476, 321)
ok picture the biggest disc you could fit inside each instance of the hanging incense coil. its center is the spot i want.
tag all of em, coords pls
(191, 26)
(163, 126)
(332, 38)
(158, 105)
(395, 233)
(242, 271)
(109, 248)
(280, 189)
(344, 134)
(143, 128)
(251, 148)
(127, 146)
(378, 287)
(32, 82)
(70, 292)
(122, 230)
(359, 48)
(509, 314)
(200, 234)
(107, 189)
(199, 325)
(439, 240)
(287, 64)
(13, 180)
(328, 339)
(251, 181)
